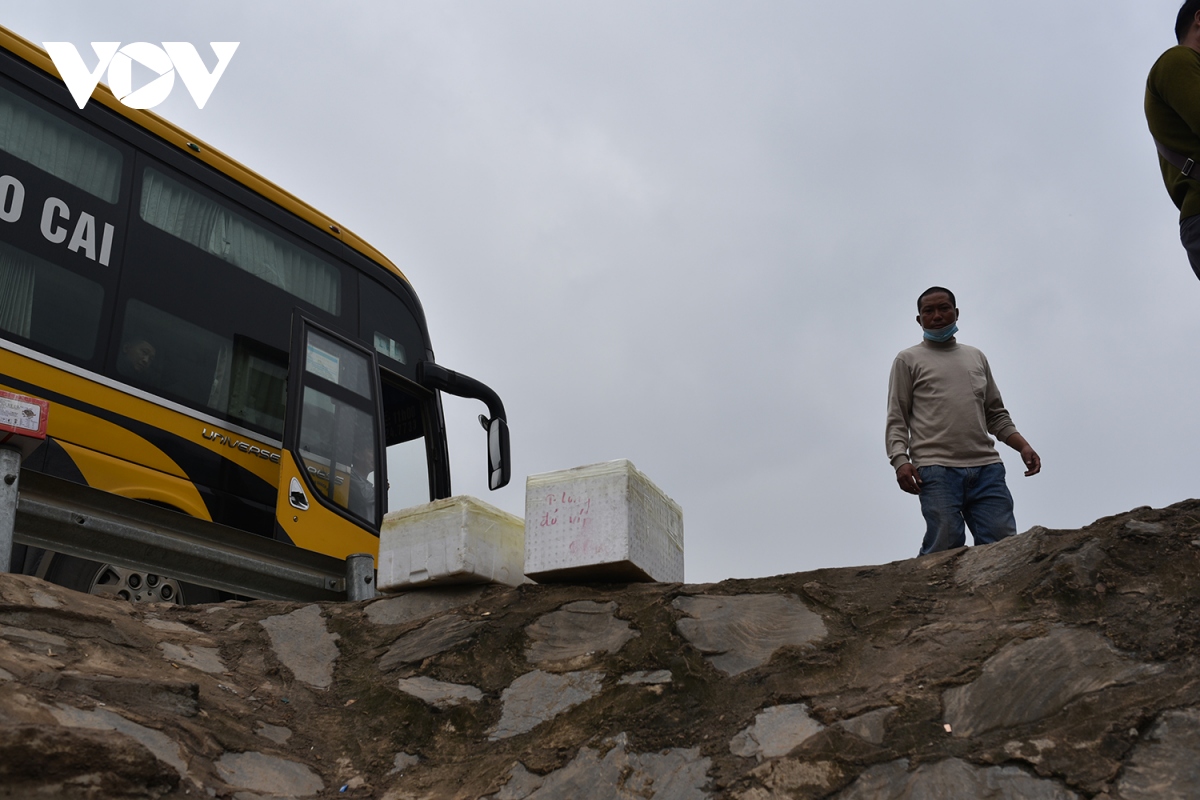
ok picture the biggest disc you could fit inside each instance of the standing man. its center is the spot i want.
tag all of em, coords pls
(1173, 114)
(942, 404)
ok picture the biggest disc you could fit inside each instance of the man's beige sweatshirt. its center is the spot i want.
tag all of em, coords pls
(942, 404)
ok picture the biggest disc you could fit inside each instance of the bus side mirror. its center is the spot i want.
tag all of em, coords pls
(432, 376)
(499, 462)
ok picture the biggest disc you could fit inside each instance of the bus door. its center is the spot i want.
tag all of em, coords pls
(332, 475)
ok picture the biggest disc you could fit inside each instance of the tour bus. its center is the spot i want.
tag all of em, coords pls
(206, 341)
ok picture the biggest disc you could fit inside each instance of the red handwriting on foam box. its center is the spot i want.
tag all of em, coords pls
(602, 522)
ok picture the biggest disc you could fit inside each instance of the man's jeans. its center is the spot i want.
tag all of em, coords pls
(977, 496)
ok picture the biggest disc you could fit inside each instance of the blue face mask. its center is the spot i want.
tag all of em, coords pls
(941, 334)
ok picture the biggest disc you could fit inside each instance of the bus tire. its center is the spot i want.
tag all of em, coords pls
(120, 583)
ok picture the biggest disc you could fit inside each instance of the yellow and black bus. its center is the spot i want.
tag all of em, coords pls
(207, 342)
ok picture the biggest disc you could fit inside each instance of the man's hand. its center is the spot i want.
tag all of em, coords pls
(909, 479)
(1033, 462)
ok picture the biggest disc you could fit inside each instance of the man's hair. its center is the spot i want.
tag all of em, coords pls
(1183, 22)
(936, 289)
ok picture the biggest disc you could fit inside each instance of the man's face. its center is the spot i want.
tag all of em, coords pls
(937, 311)
(140, 354)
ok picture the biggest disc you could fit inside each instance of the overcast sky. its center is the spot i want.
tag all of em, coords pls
(692, 233)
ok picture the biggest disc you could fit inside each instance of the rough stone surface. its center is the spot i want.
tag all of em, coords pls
(870, 727)
(787, 778)
(44, 599)
(440, 693)
(433, 638)
(101, 719)
(169, 625)
(276, 733)
(403, 761)
(644, 677)
(741, 632)
(420, 605)
(1167, 765)
(206, 659)
(1084, 612)
(521, 783)
(952, 778)
(1137, 526)
(38, 637)
(675, 774)
(48, 761)
(575, 630)
(259, 772)
(539, 696)
(140, 695)
(1029, 680)
(980, 567)
(775, 732)
(303, 644)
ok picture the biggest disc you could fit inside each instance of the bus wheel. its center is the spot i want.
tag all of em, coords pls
(136, 586)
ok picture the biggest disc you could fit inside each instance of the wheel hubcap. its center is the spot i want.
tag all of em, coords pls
(135, 586)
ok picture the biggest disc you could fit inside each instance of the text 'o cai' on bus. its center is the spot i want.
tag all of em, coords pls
(206, 341)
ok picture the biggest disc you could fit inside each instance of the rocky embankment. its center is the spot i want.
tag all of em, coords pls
(1057, 664)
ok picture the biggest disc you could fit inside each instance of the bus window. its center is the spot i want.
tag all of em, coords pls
(337, 444)
(245, 379)
(407, 456)
(390, 327)
(338, 364)
(188, 215)
(258, 384)
(55, 146)
(408, 475)
(47, 304)
(171, 355)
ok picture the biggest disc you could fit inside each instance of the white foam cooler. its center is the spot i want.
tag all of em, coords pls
(604, 522)
(456, 540)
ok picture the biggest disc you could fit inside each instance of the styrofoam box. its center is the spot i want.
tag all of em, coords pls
(456, 540)
(604, 522)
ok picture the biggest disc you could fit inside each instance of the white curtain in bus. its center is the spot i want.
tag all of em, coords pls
(16, 292)
(172, 207)
(57, 147)
(218, 396)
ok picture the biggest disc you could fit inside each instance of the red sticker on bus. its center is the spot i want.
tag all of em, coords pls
(21, 415)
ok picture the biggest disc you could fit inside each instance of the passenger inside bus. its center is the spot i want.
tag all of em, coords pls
(137, 359)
